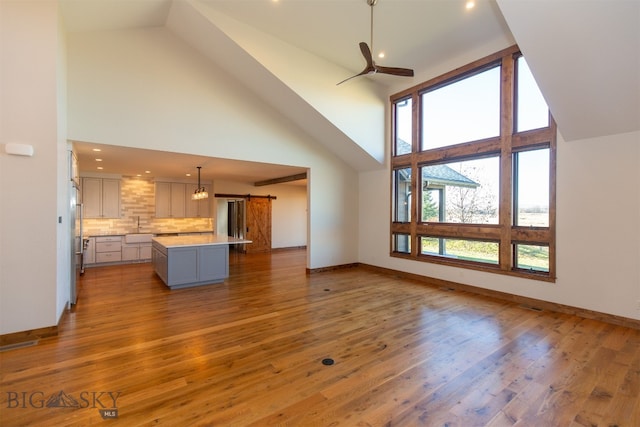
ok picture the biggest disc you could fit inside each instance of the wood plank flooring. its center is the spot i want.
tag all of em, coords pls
(249, 352)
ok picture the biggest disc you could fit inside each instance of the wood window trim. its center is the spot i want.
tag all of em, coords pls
(504, 145)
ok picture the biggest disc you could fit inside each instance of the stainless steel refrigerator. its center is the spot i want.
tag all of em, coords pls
(77, 238)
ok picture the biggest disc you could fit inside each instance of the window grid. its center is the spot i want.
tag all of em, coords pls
(511, 238)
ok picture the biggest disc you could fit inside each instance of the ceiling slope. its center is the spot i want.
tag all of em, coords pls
(295, 82)
(585, 57)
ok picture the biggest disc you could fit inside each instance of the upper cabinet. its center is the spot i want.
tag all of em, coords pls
(173, 200)
(100, 197)
(170, 199)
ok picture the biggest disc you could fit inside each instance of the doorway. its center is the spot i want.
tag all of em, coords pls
(236, 222)
(249, 218)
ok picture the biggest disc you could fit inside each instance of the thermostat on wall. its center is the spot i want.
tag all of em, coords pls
(19, 149)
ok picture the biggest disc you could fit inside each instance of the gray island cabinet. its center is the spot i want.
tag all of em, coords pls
(185, 261)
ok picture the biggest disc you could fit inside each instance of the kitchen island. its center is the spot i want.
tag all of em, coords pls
(186, 261)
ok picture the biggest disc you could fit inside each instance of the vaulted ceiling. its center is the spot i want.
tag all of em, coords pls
(585, 55)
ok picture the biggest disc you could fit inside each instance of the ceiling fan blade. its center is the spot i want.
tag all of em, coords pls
(395, 71)
(370, 68)
(366, 52)
(362, 73)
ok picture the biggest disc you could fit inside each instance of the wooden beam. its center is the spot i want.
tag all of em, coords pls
(296, 177)
(243, 196)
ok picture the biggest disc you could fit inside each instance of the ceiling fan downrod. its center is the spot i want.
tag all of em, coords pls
(371, 3)
(371, 67)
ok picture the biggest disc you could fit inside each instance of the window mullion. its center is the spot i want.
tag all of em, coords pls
(416, 206)
(506, 168)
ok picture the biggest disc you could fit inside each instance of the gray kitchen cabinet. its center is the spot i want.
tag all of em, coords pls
(100, 197)
(170, 199)
(191, 261)
(159, 259)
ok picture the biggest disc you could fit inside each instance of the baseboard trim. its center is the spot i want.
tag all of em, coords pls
(27, 336)
(24, 337)
(288, 248)
(532, 303)
(332, 268)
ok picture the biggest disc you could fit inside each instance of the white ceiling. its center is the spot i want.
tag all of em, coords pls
(557, 36)
(162, 164)
(412, 33)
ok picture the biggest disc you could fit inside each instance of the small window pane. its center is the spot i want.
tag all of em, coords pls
(432, 205)
(532, 188)
(469, 250)
(403, 131)
(464, 192)
(532, 111)
(532, 257)
(402, 190)
(402, 243)
(466, 110)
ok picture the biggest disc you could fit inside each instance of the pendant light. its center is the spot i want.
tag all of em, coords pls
(201, 192)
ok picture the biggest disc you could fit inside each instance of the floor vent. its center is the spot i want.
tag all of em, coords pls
(18, 345)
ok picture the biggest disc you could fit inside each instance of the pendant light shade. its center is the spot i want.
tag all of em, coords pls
(201, 192)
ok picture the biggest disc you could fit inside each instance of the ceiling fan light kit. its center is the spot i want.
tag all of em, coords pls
(371, 67)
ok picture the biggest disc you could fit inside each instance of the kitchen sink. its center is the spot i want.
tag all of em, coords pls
(138, 238)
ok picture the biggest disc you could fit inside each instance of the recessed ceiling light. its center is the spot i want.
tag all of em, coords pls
(98, 160)
(97, 149)
(470, 4)
(188, 174)
(100, 167)
(147, 171)
(381, 55)
(139, 174)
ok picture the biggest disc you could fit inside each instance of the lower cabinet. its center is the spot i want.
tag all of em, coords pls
(181, 267)
(160, 263)
(90, 251)
(113, 249)
(108, 249)
(136, 252)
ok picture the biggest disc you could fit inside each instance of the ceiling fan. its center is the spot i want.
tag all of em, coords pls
(371, 67)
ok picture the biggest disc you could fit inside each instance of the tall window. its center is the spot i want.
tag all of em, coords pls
(477, 189)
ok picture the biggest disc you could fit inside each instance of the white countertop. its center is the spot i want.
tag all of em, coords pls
(197, 240)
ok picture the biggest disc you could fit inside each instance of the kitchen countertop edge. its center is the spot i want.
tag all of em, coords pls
(197, 240)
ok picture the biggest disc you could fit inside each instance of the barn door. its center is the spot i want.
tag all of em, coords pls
(258, 224)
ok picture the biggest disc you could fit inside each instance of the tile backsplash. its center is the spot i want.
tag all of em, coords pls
(137, 214)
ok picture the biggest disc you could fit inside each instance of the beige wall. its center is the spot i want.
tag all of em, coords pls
(166, 96)
(34, 245)
(598, 230)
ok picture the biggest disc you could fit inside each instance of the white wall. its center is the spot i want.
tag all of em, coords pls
(598, 230)
(29, 204)
(288, 211)
(65, 230)
(165, 96)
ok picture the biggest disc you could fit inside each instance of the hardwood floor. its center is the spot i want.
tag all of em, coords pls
(249, 352)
